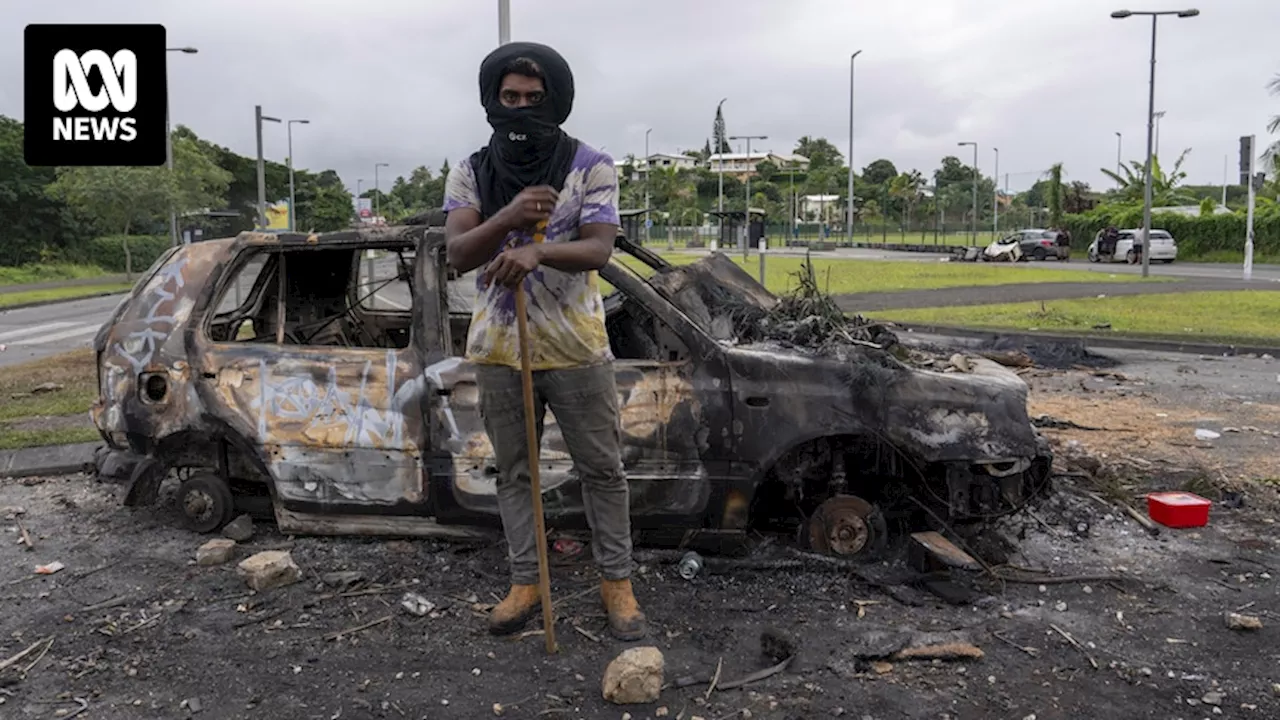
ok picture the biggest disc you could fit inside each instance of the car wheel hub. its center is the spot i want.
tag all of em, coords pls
(839, 525)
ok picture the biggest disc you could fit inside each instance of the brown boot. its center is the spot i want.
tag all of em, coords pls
(626, 621)
(514, 612)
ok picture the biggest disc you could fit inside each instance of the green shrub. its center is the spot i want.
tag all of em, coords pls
(108, 252)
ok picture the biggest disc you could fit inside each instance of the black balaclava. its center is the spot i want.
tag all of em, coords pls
(527, 147)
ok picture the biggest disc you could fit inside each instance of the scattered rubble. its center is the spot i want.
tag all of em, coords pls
(240, 529)
(342, 579)
(269, 569)
(1236, 621)
(635, 676)
(415, 604)
(215, 552)
(43, 388)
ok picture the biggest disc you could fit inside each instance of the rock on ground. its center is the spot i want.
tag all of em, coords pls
(240, 529)
(215, 552)
(635, 676)
(269, 569)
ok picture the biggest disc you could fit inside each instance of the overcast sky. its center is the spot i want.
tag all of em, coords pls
(395, 80)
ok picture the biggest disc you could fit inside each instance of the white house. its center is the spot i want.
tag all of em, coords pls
(667, 160)
(821, 206)
(742, 164)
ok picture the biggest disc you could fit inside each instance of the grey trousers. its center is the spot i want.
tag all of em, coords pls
(585, 404)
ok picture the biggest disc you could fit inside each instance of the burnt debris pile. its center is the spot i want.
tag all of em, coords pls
(808, 318)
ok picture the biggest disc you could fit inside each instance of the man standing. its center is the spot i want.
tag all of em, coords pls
(539, 208)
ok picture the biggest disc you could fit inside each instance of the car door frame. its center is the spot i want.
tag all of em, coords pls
(326, 427)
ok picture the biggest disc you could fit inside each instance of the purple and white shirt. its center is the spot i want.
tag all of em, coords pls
(566, 314)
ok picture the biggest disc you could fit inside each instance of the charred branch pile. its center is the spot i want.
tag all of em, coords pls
(808, 318)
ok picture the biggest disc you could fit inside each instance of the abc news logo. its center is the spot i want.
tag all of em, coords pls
(94, 95)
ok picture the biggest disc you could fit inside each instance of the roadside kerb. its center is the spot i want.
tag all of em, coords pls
(1099, 341)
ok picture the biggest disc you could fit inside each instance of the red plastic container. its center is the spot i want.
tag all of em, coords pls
(1178, 509)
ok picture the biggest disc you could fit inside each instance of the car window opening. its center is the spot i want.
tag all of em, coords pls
(329, 298)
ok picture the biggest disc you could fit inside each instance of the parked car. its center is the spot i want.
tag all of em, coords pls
(290, 375)
(1163, 247)
(1040, 244)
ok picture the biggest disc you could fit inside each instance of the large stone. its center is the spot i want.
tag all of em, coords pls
(635, 676)
(240, 529)
(269, 569)
(215, 552)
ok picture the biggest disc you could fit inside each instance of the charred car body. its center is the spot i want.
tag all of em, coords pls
(288, 372)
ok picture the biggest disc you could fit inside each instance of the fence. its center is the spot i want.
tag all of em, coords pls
(833, 235)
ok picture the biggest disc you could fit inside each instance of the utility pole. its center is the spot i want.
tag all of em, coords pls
(1151, 119)
(258, 117)
(1224, 181)
(377, 194)
(848, 229)
(289, 132)
(168, 142)
(1119, 138)
(974, 223)
(746, 228)
(504, 22)
(1248, 233)
(647, 220)
(995, 199)
(1157, 116)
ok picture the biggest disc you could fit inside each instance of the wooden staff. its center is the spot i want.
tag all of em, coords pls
(535, 483)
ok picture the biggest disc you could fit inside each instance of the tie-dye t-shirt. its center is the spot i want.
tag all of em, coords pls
(566, 315)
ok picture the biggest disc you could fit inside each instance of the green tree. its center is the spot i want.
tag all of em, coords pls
(118, 197)
(328, 209)
(1165, 190)
(1055, 195)
(820, 151)
(199, 184)
(879, 172)
(1272, 153)
(718, 132)
(767, 170)
(33, 224)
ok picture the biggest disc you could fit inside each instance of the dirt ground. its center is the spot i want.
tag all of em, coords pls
(132, 628)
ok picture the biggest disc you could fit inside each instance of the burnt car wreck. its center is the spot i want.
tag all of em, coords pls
(320, 379)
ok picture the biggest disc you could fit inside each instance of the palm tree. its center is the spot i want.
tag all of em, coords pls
(1272, 153)
(1164, 187)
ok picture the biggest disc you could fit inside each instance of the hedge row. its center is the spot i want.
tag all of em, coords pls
(1195, 235)
(108, 252)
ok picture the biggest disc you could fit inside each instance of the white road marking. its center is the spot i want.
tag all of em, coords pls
(33, 329)
(84, 329)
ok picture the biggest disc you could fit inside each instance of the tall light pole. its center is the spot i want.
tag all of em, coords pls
(646, 185)
(262, 176)
(504, 22)
(289, 132)
(995, 198)
(848, 224)
(377, 194)
(974, 223)
(1151, 112)
(1119, 138)
(168, 144)
(746, 236)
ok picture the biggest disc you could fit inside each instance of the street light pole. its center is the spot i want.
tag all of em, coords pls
(1119, 138)
(974, 223)
(1151, 112)
(504, 22)
(995, 199)
(168, 144)
(746, 211)
(262, 176)
(848, 225)
(646, 185)
(289, 132)
(377, 194)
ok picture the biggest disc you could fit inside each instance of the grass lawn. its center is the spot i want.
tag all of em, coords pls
(29, 274)
(1240, 316)
(50, 418)
(62, 293)
(844, 276)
